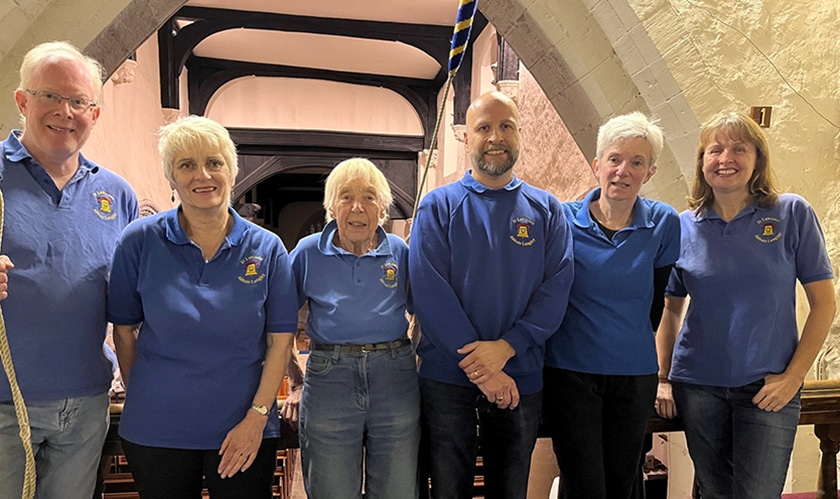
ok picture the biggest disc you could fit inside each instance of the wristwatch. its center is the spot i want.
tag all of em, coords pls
(263, 410)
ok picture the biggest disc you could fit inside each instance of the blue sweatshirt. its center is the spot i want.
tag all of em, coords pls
(489, 264)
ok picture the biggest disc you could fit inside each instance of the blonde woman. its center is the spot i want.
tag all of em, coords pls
(214, 300)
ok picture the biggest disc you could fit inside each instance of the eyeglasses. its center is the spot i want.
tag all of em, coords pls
(78, 104)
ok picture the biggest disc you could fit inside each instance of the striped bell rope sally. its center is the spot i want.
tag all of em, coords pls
(460, 40)
(461, 33)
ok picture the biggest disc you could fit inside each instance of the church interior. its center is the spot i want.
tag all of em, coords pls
(304, 85)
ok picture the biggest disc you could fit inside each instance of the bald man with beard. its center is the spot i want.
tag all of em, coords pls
(490, 265)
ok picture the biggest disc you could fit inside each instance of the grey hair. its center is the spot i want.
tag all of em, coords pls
(629, 126)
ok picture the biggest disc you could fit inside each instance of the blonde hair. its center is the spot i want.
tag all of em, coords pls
(357, 169)
(56, 51)
(762, 185)
(196, 134)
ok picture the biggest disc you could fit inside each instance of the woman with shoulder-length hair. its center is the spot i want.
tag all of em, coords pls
(214, 299)
(360, 407)
(600, 374)
(736, 363)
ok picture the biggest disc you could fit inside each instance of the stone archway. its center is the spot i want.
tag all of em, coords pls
(595, 60)
(591, 62)
(129, 29)
(109, 30)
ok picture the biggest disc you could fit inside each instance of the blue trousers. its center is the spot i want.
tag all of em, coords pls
(360, 417)
(459, 419)
(739, 451)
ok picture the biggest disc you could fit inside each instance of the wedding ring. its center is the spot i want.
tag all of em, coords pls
(475, 374)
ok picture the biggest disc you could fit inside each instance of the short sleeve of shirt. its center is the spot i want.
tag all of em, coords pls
(812, 262)
(125, 306)
(669, 250)
(282, 303)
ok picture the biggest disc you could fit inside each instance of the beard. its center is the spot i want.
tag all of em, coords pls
(477, 159)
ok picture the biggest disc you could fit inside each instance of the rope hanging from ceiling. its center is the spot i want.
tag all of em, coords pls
(28, 491)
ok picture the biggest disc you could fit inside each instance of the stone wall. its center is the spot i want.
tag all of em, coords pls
(779, 53)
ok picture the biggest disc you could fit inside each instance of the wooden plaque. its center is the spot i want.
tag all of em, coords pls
(761, 115)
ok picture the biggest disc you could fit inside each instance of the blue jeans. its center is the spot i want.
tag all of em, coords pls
(360, 407)
(739, 451)
(67, 437)
(597, 426)
(458, 419)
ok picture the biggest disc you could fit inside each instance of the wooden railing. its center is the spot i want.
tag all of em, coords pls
(821, 408)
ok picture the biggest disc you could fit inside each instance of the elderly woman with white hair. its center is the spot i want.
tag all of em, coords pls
(601, 365)
(360, 408)
(214, 300)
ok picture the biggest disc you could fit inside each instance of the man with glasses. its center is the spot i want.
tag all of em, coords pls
(63, 215)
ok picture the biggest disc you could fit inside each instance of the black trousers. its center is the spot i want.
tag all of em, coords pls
(597, 427)
(163, 473)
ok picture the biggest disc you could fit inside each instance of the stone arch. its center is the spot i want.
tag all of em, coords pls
(593, 59)
(108, 30)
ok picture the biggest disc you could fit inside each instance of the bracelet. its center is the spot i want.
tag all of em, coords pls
(664, 378)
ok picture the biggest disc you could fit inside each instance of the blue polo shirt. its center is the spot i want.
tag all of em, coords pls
(489, 264)
(741, 277)
(353, 300)
(202, 343)
(607, 327)
(61, 242)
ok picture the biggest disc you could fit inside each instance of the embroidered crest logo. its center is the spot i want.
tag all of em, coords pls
(104, 205)
(389, 275)
(768, 230)
(522, 228)
(252, 274)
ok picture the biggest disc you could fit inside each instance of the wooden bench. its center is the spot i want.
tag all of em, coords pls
(820, 407)
(114, 479)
